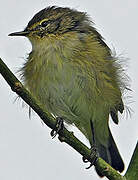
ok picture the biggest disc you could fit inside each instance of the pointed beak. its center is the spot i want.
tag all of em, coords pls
(21, 33)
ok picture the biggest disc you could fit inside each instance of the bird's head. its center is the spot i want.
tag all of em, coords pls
(54, 21)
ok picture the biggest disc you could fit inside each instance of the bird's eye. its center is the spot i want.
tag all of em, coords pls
(44, 23)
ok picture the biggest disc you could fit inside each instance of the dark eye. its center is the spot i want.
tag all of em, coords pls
(44, 23)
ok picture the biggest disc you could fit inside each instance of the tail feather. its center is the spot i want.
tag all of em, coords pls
(111, 155)
(116, 160)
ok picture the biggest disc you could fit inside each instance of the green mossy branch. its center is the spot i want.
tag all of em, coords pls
(132, 172)
(64, 135)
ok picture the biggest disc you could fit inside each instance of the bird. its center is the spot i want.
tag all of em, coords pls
(75, 76)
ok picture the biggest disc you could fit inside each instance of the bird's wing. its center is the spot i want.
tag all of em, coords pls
(114, 112)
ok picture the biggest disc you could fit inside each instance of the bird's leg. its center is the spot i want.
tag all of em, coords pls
(58, 126)
(94, 157)
(94, 152)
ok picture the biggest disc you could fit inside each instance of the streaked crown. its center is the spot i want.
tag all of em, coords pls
(56, 20)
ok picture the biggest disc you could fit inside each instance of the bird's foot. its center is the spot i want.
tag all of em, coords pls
(93, 155)
(58, 126)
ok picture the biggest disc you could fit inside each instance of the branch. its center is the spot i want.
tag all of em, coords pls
(64, 135)
(132, 171)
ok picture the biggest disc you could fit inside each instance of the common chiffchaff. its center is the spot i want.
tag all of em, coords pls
(73, 73)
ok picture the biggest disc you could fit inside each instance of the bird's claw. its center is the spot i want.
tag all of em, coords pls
(94, 157)
(58, 126)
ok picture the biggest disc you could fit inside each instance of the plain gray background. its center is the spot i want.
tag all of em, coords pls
(26, 149)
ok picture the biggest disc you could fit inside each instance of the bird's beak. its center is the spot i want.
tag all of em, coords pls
(21, 33)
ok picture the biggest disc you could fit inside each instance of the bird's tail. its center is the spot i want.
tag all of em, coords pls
(111, 155)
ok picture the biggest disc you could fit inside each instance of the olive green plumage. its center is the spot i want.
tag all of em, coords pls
(73, 73)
